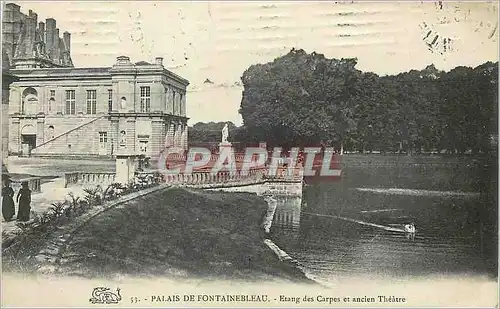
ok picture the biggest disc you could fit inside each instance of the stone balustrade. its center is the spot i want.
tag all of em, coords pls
(34, 183)
(193, 179)
(175, 157)
(80, 178)
(201, 178)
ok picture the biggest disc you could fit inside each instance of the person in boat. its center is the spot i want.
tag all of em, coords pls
(410, 228)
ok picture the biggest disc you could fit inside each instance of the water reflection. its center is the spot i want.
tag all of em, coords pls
(447, 239)
(287, 214)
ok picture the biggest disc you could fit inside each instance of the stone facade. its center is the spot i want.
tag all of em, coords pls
(82, 112)
(7, 79)
(32, 44)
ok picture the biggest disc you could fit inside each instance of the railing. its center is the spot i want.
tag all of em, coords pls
(201, 178)
(89, 178)
(195, 178)
(182, 158)
(34, 183)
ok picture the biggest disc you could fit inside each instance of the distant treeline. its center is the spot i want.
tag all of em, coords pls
(303, 99)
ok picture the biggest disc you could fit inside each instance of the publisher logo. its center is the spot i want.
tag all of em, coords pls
(102, 295)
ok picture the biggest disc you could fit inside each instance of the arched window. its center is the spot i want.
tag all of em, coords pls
(30, 101)
(51, 132)
(29, 91)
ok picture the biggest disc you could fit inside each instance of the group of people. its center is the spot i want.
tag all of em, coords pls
(23, 199)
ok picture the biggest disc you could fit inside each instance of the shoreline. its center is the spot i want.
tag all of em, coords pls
(230, 247)
(281, 254)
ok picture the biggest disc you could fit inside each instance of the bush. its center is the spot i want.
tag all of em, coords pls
(58, 208)
(93, 196)
(75, 204)
(60, 212)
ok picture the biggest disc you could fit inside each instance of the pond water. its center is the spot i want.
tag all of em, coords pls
(345, 229)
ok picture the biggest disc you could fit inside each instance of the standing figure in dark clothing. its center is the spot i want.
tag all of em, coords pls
(24, 200)
(8, 208)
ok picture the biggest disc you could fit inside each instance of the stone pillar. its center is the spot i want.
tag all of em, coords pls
(5, 130)
(114, 136)
(157, 97)
(40, 132)
(157, 136)
(169, 137)
(185, 137)
(177, 136)
(7, 79)
(225, 147)
(80, 100)
(125, 168)
(14, 136)
(131, 138)
(174, 137)
(182, 128)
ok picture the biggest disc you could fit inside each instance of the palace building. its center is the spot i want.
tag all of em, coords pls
(56, 109)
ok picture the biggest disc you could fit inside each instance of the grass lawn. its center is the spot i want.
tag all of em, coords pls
(179, 233)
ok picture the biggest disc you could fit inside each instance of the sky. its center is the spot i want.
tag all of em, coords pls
(212, 43)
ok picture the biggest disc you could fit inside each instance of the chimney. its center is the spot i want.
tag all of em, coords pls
(56, 36)
(30, 32)
(67, 40)
(159, 61)
(50, 24)
(33, 20)
(56, 46)
(122, 60)
(41, 26)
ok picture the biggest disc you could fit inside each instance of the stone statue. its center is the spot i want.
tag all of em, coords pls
(123, 138)
(225, 134)
(123, 103)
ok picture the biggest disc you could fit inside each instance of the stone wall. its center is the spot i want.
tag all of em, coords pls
(79, 140)
(268, 187)
(56, 104)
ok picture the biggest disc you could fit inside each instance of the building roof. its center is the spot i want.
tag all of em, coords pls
(60, 71)
(101, 72)
(5, 61)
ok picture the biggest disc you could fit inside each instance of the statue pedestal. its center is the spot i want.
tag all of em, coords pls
(225, 146)
(225, 152)
(126, 164)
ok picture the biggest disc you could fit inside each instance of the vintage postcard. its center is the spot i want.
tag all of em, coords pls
(249, 154)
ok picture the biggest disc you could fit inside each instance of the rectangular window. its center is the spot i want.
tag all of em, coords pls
(70, 102)
(110, 100)
(143, 146)
(51, 100)
(103, 137)
(145, 99)
(91, 101)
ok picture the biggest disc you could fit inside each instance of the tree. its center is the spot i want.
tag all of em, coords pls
(302, 99)
(299, 99)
